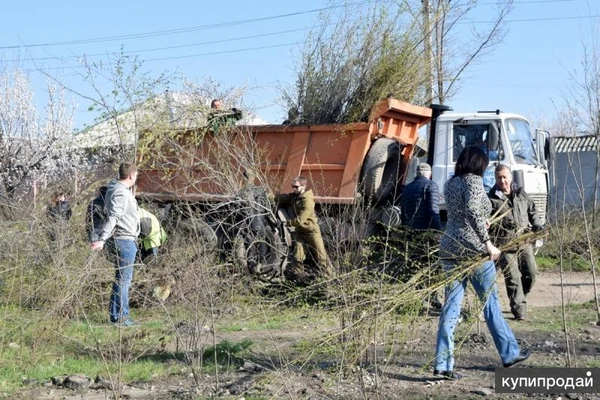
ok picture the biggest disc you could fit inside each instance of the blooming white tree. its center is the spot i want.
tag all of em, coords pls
(31, 147)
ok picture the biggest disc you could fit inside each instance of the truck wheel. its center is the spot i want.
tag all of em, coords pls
(380, 169)
(276, 252)
(248, 257)
(197, 230)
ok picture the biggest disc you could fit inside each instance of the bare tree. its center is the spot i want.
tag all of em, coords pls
(452, 43)
(583, 103)
(582, 115)
(127, 99)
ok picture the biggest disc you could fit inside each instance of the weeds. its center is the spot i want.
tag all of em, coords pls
(371, 317)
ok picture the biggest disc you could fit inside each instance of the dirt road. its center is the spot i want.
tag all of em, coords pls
(577, 288)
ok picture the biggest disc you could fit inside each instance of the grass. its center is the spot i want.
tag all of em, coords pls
(326, 327)
(274, 318)
(252, 326)
(20, 364)
(35, 348)
(549, 319)
(575, 263)
(39, 348)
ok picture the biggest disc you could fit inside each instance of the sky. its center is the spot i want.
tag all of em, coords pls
(257, 45)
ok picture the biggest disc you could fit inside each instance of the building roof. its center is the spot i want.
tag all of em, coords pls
(180, 110)
(572, 144)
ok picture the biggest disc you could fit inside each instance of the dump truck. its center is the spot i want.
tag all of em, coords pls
(506, 137)
(362, 164)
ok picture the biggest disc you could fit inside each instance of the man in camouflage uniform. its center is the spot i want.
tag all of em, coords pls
(220, 119)
(300, 206)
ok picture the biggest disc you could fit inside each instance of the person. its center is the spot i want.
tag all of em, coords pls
(220, 119)
(420, 212)
(216, 104)
(119, 233)
(420, 202)
(59, 213)
(300, 207)
(518, 265)
(257, 218)
(292, 117)
(59, 208)
(96, 215)
(152, 235)
(466, 238)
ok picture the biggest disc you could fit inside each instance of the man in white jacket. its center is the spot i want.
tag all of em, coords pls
(119, 234)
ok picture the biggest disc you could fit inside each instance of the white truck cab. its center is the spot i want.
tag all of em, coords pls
(506, 138)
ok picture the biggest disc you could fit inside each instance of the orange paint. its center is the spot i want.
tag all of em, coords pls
(330, 156)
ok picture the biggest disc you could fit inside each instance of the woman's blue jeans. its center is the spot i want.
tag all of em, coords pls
(124, 251)
(483, 280)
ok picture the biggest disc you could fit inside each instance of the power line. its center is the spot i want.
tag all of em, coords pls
(224, 52)
(221, 25)
(190, 55)
(533, 2)
(276, 45)
(180, 30)
(535, 19)
(77, 57)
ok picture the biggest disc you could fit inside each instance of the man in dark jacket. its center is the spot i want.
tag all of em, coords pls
(96, 215)
(421, 213)
(420, 201)
(59, 212)
(518, 265)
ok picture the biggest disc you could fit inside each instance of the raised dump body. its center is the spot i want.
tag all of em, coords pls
(196, 165)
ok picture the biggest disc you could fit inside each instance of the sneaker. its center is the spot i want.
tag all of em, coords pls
(125, 324)
(448, 375)
(523, 355)
(437, 305)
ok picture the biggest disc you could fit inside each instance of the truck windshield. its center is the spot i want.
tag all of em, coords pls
(472, 134)
(521, 141)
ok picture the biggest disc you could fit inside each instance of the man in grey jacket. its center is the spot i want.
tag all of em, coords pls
(119, 233)
(518, 265)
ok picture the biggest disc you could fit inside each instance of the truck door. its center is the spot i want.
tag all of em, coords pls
(541, 146)
(483, 134)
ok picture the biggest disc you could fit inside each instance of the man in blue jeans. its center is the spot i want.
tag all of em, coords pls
(119, 233)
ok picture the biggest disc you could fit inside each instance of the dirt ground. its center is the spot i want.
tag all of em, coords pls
(404, 373)
(577, 288)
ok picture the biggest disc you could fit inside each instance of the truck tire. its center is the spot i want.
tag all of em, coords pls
(244, 253)
(380, 169)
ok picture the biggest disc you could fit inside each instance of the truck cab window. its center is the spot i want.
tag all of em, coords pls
(521, 141)
(473, 135)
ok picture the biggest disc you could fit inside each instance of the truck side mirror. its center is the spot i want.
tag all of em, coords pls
(519, 178)
(549, 149)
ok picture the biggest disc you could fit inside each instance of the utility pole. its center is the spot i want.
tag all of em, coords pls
(440, 19)
(427, 51)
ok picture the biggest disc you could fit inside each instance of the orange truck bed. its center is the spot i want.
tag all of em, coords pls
(329, 155)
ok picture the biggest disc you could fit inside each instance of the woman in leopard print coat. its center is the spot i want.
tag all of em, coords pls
(466, 238)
